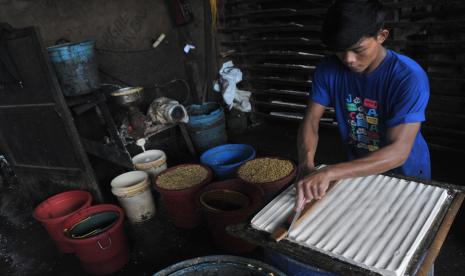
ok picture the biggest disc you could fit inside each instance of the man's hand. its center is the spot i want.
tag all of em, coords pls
(400, 141)
(312, 186)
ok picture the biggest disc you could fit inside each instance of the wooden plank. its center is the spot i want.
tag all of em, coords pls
(441, 235)
(434, 77)
(445, 11)
(278, 92)
(278, 80)
(441, 62)
(452, 104)
(297, 120)
(408, 3)
(443, 144)
(292, 26)
(292, 105)
(445, 148)
(281, 54)
(277, 67)
(452, 132)
(273, 13)
(321, 3)
(271, 39)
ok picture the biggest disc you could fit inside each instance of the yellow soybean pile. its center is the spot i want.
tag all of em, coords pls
(264, 170)
(182, 177)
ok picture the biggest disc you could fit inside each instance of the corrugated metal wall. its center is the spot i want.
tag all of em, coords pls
(276, 44)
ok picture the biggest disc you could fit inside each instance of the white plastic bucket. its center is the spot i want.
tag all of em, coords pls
(134, 195)
(152, 162)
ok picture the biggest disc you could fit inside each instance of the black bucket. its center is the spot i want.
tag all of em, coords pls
(220, 265)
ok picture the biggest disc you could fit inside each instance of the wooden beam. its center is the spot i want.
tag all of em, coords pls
(441, 235)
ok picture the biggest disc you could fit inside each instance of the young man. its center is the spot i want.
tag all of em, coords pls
(379, 97)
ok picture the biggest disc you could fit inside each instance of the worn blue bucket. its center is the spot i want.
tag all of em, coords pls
(220, 265)
(75, 67)
(206, 125)
(224, 160)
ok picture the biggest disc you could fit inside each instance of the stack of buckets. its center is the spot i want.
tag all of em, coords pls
(101, 249)
(95, 233)
(152, 162)
(134, 195)
(133, 189)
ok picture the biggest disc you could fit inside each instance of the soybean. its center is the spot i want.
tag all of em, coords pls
(182, 177)
(264, 170)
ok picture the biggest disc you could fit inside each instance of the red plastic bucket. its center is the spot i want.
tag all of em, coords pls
(56, 209)
(181, 204)
(223, 204)
(103, 253)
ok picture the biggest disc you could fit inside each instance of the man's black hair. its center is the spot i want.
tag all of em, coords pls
(348, 21)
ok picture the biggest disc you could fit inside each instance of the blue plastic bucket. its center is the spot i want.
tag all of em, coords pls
(75, 67)
(292, 267)
(224, 160)
(220, 265)
(206, 126)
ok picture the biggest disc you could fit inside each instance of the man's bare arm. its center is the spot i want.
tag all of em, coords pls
(400, 141)
(307, 139)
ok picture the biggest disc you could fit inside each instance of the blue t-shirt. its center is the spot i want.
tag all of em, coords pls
(366, 105)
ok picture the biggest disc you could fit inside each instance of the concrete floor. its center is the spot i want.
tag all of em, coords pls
(25, 248)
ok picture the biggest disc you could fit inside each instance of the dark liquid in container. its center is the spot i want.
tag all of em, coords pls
(224, 205)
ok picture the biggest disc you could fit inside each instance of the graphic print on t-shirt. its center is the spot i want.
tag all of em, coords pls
(363, 123)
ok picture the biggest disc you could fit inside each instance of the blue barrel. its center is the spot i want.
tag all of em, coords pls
(291, 266)
(206, 126)
(75, 67)
(224, 160)
(220, 265)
